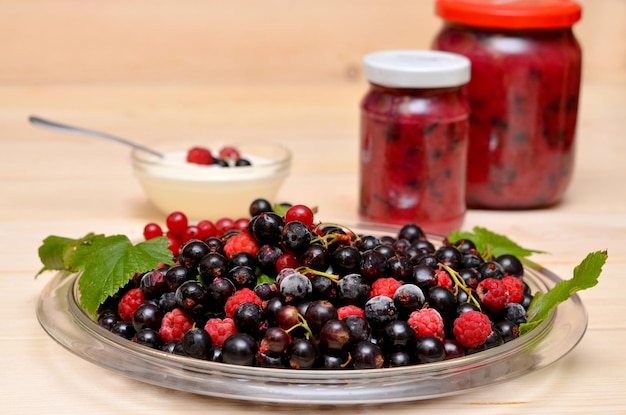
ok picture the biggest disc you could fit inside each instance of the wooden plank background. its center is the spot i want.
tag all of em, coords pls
(239, 41)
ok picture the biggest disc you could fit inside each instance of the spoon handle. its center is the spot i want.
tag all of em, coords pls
(38, 121)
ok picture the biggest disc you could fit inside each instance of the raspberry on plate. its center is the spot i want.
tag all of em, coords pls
(444, 279)
(514, 288)
(174, 325)
(493, 294)
(426, 322)
(472, 328)
(385, 286)
(350, 310)
(129, 303)
(220, 329)
(244, 295)
(241, 242)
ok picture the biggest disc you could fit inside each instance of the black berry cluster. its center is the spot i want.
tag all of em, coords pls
(279, 290)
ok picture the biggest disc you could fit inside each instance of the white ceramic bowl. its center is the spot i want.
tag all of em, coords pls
(211, 192)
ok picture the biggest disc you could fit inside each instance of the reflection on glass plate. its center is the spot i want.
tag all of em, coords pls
(66, 322)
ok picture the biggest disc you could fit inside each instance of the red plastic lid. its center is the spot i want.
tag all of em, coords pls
(510, 14)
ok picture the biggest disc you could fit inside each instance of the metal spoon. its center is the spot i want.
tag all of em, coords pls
(40, 122)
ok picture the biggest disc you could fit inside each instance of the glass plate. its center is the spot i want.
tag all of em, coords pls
(61, 316)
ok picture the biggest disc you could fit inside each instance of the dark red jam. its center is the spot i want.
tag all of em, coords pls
(413, 156)
(523, 99)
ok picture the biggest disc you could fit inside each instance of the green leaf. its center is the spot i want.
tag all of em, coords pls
(491, 244)
(264, 278)
(109, 262)
(585, 276)
(281, 209)
(56, 252)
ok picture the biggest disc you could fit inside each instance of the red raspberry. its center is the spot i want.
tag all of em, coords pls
(174, 325)
(472, 328)
(444, 279)
(229, 153)
(241, 242)
(350, 310)
(244, 295)
(514, 288)
(129, 303)
(220, 330)
(200, 155)
(385, 286)
(426, 322)
(492, 293)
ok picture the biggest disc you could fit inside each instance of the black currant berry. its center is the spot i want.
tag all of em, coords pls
(334, 336)
(399, 267)
(373, 265)
(318, 313)
(315, 257)
(212, 265)
(346, 260)
(153, 284)
(429, 349)
(147, 315)
(367, 355)
(295, 237)
(511, 265)
(259, 206)
(353, 290)
(197, 343)
(148, 337)
(301, 354)
(411, 232)
(448, 255)
(250, 318)
(267, 228)
(491, 269)
(176, 275)
(380, 311)
(192, 252)
(243, 277)
(240, 349)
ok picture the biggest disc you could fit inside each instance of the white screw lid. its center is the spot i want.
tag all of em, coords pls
(416, 69)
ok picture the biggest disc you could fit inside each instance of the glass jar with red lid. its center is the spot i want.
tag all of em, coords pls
(414, 133)
(524, 94)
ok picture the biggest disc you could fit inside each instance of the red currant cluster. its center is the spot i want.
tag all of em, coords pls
(180, 231)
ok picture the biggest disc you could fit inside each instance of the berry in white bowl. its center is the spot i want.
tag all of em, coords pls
(211, 187)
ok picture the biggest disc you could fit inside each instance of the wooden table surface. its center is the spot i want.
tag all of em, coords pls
(69, 185)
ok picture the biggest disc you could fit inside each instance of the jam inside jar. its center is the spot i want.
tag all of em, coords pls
(523, 95)
(413, 154)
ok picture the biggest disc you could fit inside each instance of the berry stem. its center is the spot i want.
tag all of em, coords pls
(308, 271)
(459, 283)
(303, 323)
(336, 237)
